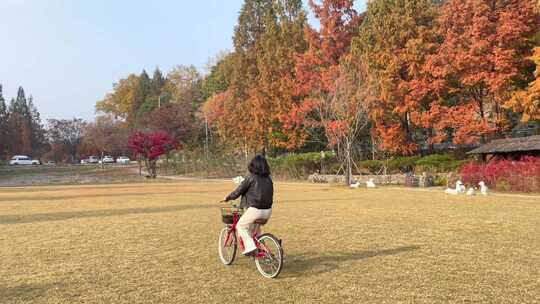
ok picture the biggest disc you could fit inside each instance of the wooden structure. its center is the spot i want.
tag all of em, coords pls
(512, 148)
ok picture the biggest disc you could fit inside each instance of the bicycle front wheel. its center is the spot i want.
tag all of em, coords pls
(227, 245)
(270, 261)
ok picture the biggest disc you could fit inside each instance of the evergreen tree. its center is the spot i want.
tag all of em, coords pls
(20, 138)
(3, 126)
(142, 90)
(250, 24)
(157, 82)
(37, 130)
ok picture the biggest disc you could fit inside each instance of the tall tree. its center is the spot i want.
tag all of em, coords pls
(142, 92)
(230, 86)
(251, 24)
(184, 86)
(318, 68)
(343, 114)
(3, 126)
(174, 120)
(527, 101)
(19, 124)
(393, 42)
(105, 135)
(120, 102)
(477, 66)
(217, 81)
(37, 130)
(272, 97)
(67, 133)
(157, 82)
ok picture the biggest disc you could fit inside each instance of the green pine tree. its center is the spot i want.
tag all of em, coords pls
(157, 82)
(3, 126)
(36, 128)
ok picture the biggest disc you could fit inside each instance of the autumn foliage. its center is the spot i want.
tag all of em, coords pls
(527, 101)
(398, 79)
(520, 175)
(150, 146)
(480, 61)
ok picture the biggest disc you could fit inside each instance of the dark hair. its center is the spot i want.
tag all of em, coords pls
(259, 166)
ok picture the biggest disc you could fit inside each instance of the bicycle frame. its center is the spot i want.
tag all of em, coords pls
(261, 248)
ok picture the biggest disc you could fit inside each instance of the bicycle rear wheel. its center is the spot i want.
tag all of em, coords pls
(227, 246)
(270, 262)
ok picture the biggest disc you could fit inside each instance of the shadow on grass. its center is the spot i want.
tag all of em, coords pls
(305, 265)
(25, 293)
(79, 196)
(62, 216)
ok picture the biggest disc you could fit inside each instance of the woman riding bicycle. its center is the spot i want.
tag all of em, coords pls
(257, 192)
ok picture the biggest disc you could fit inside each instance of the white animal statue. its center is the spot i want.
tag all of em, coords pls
(460, 188)
(355, 185)
(238, 180)
(483, 188)
(470, 192)
(370, 183)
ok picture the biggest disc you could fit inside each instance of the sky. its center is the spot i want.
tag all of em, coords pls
(68, 53)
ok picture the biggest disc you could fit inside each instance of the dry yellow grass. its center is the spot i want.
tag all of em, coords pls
(156, 243)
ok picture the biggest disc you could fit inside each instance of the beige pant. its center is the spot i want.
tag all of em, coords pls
(245, 226)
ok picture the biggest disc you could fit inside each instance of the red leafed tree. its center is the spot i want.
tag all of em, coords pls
(318, 68)
(343, 114)
(474, 70)
(150, 146)
(327, 88)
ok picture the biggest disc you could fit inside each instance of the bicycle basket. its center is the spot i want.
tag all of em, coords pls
(228, 212)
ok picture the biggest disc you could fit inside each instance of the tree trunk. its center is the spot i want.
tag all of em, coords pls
(140, 165)
(102, 164)
(348, 165)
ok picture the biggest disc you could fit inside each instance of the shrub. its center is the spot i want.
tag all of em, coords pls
(403, 164)
(439, 180)
(373, 166)
(432, 163)
(299, 165)
(522, 175)
(438, 163)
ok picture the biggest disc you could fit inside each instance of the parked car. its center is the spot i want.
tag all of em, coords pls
(124, 160)
(23, 160)
(108, 159)
(90, 160)
(50, 163)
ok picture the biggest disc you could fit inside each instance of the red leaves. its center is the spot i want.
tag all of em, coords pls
(522, 175)
(151, 145)
(317, 69)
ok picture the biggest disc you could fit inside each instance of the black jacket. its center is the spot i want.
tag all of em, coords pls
(256, 191)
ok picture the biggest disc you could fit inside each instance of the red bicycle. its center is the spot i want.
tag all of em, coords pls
(269, 255)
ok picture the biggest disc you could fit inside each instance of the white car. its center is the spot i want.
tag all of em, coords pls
(108, 160)
(124, 160)
(90, 160)
(23, 160)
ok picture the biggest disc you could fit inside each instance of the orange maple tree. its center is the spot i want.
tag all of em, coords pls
(473, 71)
(393, 42)
(318, 69)
(527, 102)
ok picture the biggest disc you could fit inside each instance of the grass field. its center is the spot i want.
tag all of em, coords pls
(66, 175)
(157, 243)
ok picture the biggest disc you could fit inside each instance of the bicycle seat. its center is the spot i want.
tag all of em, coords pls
(260, 221)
